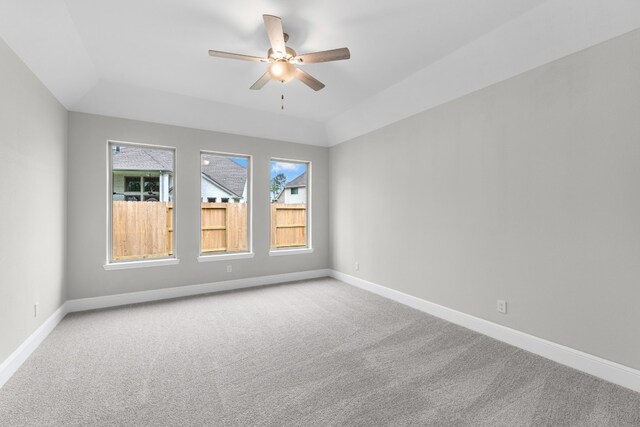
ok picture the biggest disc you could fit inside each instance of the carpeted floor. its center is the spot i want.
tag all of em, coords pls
(315, 353)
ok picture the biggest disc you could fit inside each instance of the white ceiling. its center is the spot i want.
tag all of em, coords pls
(147, 60)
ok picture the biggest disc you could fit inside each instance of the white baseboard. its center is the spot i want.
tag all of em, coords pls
(588, 363)
(593, 365)
(17, 358)
(185, 291)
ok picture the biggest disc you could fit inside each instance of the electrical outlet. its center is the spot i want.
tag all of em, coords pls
(229, 269)
(35, 310)
(502, 306)
(357, 266)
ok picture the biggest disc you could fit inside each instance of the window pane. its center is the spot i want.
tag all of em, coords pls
(142, 202)
(132, 183)
(151, 184)
(224, 207)
(289, 196)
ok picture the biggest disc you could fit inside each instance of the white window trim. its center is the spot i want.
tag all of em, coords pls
(206, 257)
(225, 256)
(110, 264)
(304, 249)
(280, 252)
(124, 265)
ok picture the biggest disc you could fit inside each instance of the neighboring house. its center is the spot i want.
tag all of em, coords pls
(223, 180)
(146, 174)
(295, 191)
(142, 174)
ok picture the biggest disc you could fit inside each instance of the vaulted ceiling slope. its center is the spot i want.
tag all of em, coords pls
(147, 60)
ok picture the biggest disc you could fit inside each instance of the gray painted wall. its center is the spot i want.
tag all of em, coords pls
(88, 135)
(527, 191)
(33, 149)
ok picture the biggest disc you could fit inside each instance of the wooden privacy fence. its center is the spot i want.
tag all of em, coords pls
(143, 230)
(224, 227)
(288, 225)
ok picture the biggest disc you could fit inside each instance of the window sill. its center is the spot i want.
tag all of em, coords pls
(224, 257)
(281, 252)
(140, 264)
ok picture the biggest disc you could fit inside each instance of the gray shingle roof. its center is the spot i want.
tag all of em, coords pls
(300, 181)
(225, 172)
(141, 158)
(221, 170)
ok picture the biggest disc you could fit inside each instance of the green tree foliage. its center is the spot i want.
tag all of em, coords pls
(277, 184)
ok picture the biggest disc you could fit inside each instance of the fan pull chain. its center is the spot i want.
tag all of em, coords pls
(282, 102)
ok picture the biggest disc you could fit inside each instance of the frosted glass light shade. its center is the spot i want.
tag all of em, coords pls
(282, 71)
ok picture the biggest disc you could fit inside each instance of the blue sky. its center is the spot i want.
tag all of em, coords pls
(240, 160)
(290, 170)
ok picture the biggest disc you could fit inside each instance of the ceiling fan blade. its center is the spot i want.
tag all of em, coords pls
(309, 80)
(324, 56)
(239, 56)
(273, 24)
(259, 84)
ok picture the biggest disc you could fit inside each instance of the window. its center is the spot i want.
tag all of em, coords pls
(224, 204)
(151, 185)
(132, 184)
(141, 179)
(290, 188)
(146, 188)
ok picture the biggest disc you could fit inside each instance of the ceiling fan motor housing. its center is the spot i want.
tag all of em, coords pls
(290, 54)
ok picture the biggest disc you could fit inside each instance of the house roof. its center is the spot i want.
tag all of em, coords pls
(221, 170)
(125, 157)
(300, 181)
(225, 172)
(297, 182)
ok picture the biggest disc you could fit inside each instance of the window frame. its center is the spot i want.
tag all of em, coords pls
(309, 225)
(222, 256)
(112, 264)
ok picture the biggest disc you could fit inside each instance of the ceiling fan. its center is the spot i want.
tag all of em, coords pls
(283, 59)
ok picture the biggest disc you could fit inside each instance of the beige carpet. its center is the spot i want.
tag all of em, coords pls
(317, 353)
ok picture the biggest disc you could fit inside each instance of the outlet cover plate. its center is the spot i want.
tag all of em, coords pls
(502, 306)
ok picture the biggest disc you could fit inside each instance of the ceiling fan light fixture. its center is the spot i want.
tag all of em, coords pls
(282, 71)
(282, 58)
